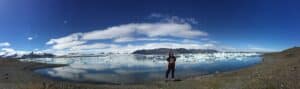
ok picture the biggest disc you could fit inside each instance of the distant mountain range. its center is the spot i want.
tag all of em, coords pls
(29, 55)
(178, 50)
(40, 55)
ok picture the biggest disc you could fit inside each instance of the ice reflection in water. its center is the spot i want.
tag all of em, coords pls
(119, 68)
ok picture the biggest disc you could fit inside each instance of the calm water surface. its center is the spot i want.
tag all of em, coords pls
(127, 69)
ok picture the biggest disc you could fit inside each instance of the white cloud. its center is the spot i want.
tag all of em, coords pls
(67, 44)
(4, 44)
(124, 39)
(177, 19)
(152, 35)
(130, 39)
(205, 39)
(8, 49)
(66, 39)
(189, 41)
(29, 38)
(110, 33)
(157, 39)
(168, 18)
(170, 29)
(146, 29)
(127, 33)
(212, 41)
(156, 15)
(255, 48)
(95, 46)
(247, 48)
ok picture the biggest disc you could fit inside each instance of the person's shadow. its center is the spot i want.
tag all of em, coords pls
(177, 80)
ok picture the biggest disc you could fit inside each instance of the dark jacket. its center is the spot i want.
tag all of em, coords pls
(169, 59)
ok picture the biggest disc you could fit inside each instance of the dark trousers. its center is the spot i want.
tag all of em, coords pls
(171, 67)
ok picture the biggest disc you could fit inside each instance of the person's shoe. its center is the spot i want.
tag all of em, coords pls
(173, 79)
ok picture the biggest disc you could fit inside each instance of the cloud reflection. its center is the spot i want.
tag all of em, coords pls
(140, 68)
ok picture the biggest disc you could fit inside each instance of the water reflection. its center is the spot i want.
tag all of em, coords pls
(116, 69)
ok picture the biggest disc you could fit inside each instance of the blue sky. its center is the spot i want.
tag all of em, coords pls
(221, 24)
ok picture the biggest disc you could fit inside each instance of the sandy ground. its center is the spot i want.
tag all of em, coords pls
(277, 71)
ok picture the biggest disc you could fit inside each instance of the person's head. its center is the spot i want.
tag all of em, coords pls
(171, 53)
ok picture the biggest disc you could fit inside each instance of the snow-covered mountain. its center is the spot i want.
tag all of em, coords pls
(10, 53)
(14, 54)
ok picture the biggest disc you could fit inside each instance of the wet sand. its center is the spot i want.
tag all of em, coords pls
(277, 71)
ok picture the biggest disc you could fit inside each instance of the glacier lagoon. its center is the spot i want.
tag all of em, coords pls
(129, 68)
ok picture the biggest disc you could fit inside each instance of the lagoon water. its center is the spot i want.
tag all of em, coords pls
(129, 69)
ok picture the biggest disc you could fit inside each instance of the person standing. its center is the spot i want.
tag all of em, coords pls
(171, 65)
